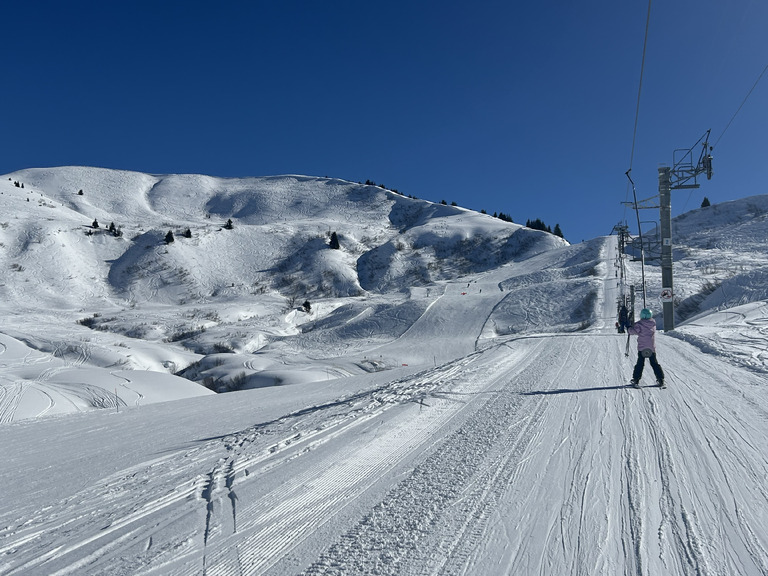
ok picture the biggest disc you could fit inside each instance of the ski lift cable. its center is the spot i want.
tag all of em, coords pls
(637, 107)
(640, 85)
(688, 199)
(741, 105)
(631, 184)
(640, 232)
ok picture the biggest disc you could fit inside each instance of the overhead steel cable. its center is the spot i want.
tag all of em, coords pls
(640, 85)
(632, 154)
(637, 107)
(741, 105)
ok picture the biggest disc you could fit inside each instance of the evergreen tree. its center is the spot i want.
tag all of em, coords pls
(307, 306)
(334, 242)
(95, 224)
(187, 233)
(229, 225)
(169, 237)
(705, 202)
(557, 231)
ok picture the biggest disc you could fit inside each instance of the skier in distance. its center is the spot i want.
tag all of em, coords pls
(623, 322)
(645, 330)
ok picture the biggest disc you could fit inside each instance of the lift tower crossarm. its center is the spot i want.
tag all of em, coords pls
(683, 169)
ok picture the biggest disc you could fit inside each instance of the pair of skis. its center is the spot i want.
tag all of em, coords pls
(662, 384)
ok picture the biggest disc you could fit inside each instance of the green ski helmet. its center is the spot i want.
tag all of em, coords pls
(645, 313)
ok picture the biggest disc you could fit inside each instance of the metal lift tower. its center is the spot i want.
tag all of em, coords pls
(677, 177)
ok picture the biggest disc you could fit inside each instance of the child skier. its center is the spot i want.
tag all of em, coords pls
(645, 330)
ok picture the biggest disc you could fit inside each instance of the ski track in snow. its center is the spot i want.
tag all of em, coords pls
(461, 476)
(10, 396)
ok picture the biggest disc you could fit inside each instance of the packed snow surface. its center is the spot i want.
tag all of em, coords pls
(452, 401)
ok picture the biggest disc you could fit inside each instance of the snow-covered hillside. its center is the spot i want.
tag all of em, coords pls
(453, 401)
(88, 297)
(721, 279)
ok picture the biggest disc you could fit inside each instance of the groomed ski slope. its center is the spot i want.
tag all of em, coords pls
(521, 455)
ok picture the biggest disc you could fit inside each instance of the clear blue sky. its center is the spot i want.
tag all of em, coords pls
(524, 108)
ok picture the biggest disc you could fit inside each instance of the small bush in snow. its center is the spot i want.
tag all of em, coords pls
(237, 381)
(89, 321)
(210, 383)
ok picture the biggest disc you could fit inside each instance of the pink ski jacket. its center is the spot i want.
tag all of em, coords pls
(645, 330)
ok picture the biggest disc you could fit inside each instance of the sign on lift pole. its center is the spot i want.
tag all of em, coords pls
(677, 178)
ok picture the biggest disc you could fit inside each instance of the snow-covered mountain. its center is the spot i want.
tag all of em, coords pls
(128, 299)
(451, 400)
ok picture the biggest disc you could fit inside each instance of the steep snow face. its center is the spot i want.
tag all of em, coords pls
(723, 245)
(739, 224)
(727, 242)
(439, 243)
(278, 238)
(107, 194)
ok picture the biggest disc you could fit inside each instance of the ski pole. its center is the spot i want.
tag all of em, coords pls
(626, 352)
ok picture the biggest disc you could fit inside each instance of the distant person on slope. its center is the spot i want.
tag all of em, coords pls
(645, 330)
(623, 322)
